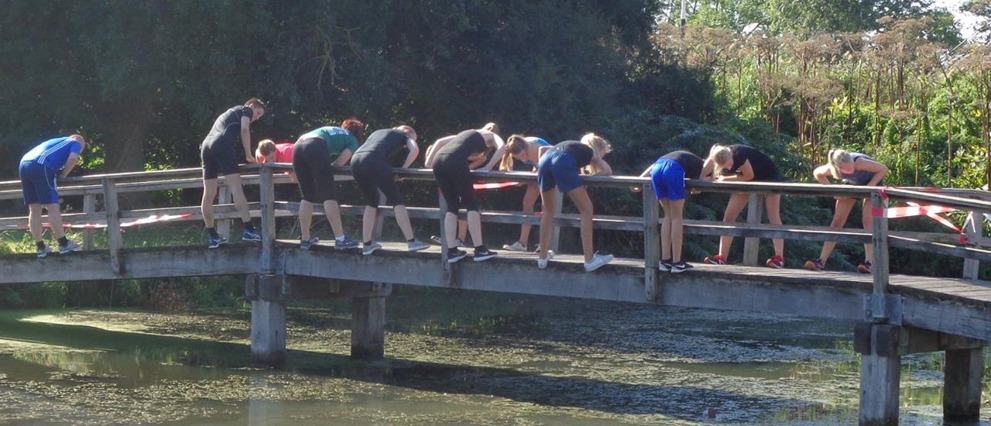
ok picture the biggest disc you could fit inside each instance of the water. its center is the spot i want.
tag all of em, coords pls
(452, 358)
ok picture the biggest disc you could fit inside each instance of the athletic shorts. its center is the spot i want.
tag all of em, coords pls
(38, 183)
(455, 182)
(558, 168)
(373, 174)
(312, 164)
(219, 158)
(668, 178)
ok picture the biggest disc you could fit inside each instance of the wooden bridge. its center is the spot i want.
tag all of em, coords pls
(897, 314)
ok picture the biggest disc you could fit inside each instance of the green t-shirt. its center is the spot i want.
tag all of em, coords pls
(336, 138)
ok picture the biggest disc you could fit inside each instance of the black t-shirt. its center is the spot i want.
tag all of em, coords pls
(227, 128)
(383, 143)
(464, 145)
(690, 162)
(764, 167)
(582, 153)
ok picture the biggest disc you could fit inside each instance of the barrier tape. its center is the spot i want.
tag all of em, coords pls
(155, 218)
(494, 185)
(916, 209)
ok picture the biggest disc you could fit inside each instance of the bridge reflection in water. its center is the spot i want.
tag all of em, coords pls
(898, 314)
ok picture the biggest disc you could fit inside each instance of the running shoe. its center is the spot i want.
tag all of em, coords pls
(216, 242)
(368, 249)
(715, 260)
(542, 263)
(776, 262)
(69, 247)
(814, 265)
(43, 252)
(483, 253)
(598, 261)
(677, 268)
(251, 235)
(517, 246)
(346, 243)
(416, 245)
(454, 255)
(865, 268)
(308, 244)
(436, 240)
(665, 265)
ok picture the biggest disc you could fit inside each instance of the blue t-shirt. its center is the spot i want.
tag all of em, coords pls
(54, 152)
(337, 139)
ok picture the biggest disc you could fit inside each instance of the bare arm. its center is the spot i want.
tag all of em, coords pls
(879, 170)
(601, 166)
(822, 174)
(708, 167)
(343, 158)
(414, 151)
(746, 174)
(500, 149)
(70, 163)
(432, 151)
(246, 139)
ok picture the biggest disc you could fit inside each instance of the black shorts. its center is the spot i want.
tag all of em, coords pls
(455, 182)
(372, 174)
(311, 162)
(219, 158)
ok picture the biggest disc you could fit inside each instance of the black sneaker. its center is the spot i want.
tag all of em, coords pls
(483, 253)
(454, 255)
(680, 267)
(665, 266)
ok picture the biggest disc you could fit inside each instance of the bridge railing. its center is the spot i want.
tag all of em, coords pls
(101, 194)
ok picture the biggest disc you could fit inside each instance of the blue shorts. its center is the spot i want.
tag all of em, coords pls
(38, 183)
(558, 168)
(668, 177)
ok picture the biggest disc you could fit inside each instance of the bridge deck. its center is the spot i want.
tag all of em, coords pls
(955, 306)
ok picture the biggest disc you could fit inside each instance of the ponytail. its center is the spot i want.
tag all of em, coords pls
(514, 145)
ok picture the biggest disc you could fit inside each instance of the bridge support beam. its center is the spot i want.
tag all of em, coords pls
(962, 385)
(268, 318)
(880, 373)
(368, 327)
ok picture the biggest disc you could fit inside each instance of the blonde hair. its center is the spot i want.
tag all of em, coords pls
(718, 155)
(514, 145)
(838, 158)
(600, 145)
(265, 147)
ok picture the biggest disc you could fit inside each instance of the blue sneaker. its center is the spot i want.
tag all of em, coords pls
(70, 247)
(217, 242)
(308, 244)
(250, 235)
(346, 243)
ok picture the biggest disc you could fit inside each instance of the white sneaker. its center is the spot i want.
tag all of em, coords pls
(542, 263)
(598, 261)
(416, 245)
(517, 246)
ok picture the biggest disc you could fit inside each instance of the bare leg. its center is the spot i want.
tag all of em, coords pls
(868, 223)
(666, 229)
(548, 199)
(55, 220)
(233, 182)
(773, 204)
(402, 219)
(676, 211)
(579, 196)
(450, 229)
(206, 203)
(305, 219)
(34, 221)
(333, 212)
(529, 200)
(737, 202)
(368, 223)
(475, 227)
(842, 211)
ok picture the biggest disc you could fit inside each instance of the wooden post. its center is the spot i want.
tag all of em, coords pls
(268, 319)
(880, 373)
(879, 238)
(962, 385)
(114, 237)
(651, 243)
(368, 327)
(751, 245)
(223, 197)
(974, 230)
(267, 200)
(442, 206)
(89, 206)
